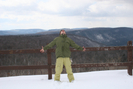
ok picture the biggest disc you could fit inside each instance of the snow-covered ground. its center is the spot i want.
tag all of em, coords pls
(112, 79)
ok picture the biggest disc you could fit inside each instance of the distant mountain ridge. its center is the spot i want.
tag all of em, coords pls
(108, 36)
(34, 31)
(20, 31)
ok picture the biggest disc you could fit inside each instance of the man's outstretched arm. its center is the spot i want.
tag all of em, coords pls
(73, 44)
(50, 45)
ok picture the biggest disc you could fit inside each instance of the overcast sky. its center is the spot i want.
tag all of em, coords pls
(53, 14)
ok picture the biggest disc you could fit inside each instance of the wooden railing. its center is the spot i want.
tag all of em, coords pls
(49, 66)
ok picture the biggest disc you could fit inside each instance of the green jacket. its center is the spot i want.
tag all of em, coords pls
(62, 46)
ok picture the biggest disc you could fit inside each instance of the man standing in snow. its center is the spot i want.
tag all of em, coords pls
(63, 54)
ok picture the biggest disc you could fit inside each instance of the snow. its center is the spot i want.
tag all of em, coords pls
(109, 37)
(100, 37)
(111, 79)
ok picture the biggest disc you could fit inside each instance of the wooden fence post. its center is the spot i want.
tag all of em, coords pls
(49, 65)
(129, 53)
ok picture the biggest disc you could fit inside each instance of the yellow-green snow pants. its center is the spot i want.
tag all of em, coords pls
(59, 67)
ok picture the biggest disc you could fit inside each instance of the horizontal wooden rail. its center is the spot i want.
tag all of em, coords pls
(99, 48)
(99, 65)
(73, 66)
(23, 67)
(24, 51)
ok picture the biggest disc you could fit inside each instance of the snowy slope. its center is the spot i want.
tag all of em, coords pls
(113, 79)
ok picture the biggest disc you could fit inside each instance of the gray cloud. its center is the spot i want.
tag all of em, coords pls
(19, 10)
(112, 10)
(94, 13)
